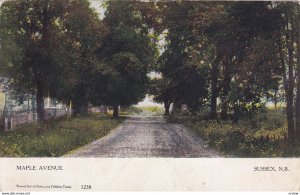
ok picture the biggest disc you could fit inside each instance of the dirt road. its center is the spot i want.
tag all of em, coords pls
(146, 135)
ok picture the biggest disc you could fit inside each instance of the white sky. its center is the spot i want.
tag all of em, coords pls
(96, 4)
(148, 101)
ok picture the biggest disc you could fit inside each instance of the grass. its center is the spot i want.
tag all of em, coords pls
(261, 136)
(55, 138)
(131, 110)
(155, 110)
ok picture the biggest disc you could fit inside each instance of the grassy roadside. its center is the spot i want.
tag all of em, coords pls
(261, 136)
(55, 138)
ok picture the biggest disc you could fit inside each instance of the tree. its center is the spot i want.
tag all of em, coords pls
(297, 105)
(239, 30)
(33, 27)
(163, 89)
(129, 52)
(84, 34)
(286, 38)
(182, 68)
(56, 43)
(127, 83)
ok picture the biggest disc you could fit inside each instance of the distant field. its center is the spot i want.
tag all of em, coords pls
(157, 109)
(138, 110)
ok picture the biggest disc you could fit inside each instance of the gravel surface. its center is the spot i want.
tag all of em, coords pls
(146, 136)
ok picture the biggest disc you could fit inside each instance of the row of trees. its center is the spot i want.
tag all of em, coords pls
(61, 48)
(241, 53)
(233, 55)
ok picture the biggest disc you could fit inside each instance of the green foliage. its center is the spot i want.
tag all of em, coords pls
(126, 86)
(184, 70)
(30, 37)
(48, 48)
(129, 53)
(163, 89)
(242, 53)
(244, 139)
(87, 74)
(56, 138)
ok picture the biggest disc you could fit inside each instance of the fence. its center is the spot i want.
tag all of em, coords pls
(9, 119)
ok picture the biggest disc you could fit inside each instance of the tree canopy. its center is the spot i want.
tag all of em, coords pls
(230, 58)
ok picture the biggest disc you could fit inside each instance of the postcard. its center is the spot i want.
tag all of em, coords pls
(103, 95)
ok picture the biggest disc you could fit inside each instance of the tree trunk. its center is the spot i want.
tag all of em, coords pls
(80, 100)
(226, 85)
(297, 129)
(275, 99)
(80, 107)
(288, 87)
(40, 102)
(290, 119)
(291, 86)
(224, 109)
(214, 91)
(116, 112)
(167, 108)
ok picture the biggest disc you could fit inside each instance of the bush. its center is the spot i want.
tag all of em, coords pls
(232, 140)
(243, 138)
(215, 138)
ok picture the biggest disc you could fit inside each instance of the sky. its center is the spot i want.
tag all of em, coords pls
(96, 4)
(148, 101)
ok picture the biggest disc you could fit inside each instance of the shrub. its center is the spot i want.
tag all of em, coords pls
(215, 138)
(261, 135)
(233, 139)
